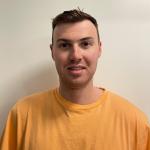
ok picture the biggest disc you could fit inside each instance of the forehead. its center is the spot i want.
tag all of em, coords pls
(75, 31)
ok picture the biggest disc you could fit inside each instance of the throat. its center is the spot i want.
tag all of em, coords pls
(81, 96)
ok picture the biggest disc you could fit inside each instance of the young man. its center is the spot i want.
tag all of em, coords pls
(76, 115)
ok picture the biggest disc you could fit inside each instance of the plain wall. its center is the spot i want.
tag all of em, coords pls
(26, 65)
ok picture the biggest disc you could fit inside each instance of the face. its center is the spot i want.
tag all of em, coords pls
(76, 50)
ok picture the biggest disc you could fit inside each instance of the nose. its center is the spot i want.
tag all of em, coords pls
(75, 54)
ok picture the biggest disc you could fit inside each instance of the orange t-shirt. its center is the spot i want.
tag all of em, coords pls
(47, 121)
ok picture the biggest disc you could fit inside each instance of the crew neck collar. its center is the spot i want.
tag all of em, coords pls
(68, 104)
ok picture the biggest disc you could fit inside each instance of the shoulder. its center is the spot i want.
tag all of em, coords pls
(34, 101)
(131, 117)
(124, 108)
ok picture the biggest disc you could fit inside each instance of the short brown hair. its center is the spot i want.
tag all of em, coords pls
(73, 16)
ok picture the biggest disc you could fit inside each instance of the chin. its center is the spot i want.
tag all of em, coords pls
(76, 82)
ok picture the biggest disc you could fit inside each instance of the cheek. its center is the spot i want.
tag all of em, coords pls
(93, 58)
(60, 58)
(96, 55)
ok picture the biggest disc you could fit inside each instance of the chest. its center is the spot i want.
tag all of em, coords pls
(74, 131)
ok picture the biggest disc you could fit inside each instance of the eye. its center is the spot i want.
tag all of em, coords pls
(86, 44)
(64, 45)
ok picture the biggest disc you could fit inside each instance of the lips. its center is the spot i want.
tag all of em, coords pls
(76, 67)
(75, 70)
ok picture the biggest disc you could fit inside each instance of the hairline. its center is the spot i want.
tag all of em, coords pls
(74, 23)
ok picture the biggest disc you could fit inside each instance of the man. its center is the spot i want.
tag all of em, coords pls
(76, 115)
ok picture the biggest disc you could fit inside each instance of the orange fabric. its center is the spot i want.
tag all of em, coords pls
(47, 121)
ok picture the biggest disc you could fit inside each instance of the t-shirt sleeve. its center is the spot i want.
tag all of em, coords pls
(8, 140)
(148, 139)
(144, 136)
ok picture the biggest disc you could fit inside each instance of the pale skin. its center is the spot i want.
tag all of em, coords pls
(75, 51)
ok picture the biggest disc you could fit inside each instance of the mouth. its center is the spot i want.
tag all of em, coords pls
(76, 67)
(75, 70)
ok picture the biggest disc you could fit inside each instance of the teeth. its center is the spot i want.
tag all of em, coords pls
(74, 68)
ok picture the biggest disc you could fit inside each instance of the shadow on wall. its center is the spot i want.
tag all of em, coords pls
(30, 81)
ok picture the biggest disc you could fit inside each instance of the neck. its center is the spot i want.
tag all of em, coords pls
(80, 94)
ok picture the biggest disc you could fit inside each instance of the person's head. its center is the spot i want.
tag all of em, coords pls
(75, 47)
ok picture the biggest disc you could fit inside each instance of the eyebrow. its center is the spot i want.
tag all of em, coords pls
(67, 40)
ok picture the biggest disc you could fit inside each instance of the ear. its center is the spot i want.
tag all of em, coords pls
(100, 48)
(52, 53)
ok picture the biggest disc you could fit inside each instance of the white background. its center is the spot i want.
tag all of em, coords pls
(26, 65)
